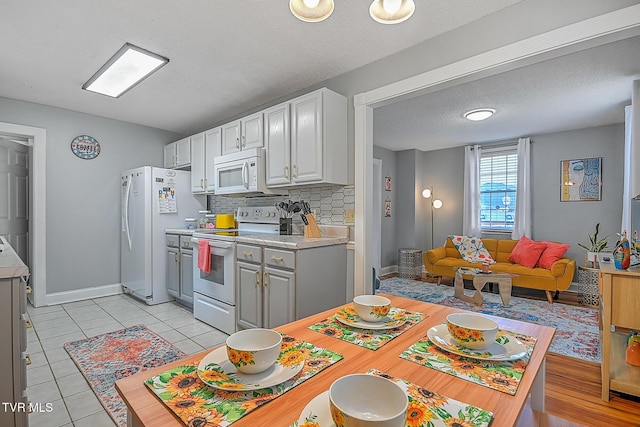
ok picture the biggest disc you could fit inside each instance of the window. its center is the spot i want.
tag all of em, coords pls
(498, 184)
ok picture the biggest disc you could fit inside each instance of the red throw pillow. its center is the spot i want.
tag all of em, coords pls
(552, 253)
(527, 252)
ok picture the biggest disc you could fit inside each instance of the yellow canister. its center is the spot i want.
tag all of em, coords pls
(225, 221)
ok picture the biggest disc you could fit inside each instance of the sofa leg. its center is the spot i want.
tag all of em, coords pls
(549, 297)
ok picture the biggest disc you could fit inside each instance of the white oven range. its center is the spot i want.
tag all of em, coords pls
(214, 293)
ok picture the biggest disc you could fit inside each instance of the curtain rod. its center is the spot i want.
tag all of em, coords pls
(497, 145)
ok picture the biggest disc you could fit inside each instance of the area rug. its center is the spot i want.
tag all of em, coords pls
(104, 359)
(577, 333)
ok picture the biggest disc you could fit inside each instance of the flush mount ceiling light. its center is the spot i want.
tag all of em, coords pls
(479, 114)
(391, 11)
(128, 67)
(311, 10)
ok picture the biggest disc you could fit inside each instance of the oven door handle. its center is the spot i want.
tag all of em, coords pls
(215, 243)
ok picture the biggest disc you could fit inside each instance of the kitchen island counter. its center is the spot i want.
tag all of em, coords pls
(10, 263)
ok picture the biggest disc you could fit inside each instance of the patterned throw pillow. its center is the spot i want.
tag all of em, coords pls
(472, 249)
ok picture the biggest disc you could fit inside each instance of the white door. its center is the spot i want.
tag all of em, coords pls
(231, 137)
(252, 131)
(198, 183)
(14, 195)
(278, 143)
(306, 138)
(212, 149)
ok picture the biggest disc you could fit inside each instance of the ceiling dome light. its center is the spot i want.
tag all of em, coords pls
(479, 114)
(391, 11)
(311, 10)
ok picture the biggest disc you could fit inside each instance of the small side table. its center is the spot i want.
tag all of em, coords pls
(479, 280)
(410, 263)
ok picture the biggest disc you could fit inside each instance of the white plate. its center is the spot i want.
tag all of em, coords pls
(386, 322)
(318, 407)
(237, 381)
(512, 350)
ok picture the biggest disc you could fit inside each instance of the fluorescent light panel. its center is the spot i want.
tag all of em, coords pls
(128, 67)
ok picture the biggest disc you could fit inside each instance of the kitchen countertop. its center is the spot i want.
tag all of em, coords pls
(10, 263)
(291, 241)
(181, 231)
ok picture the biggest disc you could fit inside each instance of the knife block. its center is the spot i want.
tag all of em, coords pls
(312, 230)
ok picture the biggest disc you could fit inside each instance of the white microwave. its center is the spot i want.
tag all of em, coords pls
(242, 173)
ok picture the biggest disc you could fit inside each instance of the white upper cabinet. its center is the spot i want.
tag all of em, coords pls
(313, 148)
(178, 154)
(243, 134)
(277, 140)
(205, 147)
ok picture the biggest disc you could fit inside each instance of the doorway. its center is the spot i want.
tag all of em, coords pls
(36, 189)
(14, 193)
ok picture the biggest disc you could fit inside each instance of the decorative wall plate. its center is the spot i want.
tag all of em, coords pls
(85, 146)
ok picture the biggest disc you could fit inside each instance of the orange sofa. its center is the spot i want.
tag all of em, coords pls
(444, 261)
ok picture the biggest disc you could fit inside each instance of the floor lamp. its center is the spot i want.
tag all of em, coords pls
(428, 193)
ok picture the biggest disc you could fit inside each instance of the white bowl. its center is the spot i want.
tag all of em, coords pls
(471, 330)
(254, 350)
(363, 400)
(372, 308)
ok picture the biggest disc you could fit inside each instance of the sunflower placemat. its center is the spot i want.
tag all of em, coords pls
(183, 391)
(425, 408)
(347, 326)
(502, 372)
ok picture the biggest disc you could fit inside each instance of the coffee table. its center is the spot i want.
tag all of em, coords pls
(479, 280)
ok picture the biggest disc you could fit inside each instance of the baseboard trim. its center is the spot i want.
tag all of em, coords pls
(388, 270)
(83, 294)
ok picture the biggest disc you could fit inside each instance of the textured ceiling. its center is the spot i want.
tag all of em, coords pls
(226, 56)
(579, 90)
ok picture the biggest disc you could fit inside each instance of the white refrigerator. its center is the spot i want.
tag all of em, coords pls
(152, 200)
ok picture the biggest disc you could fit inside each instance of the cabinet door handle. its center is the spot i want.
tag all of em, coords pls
(277, 258)
(244, 141)
(201, 183)
(294, 173)
(175, 257)
(265, 282)
(257, 278)
(28, 289)
(238, 143)
(27, 359)
(286, 172)
(205, 184)
(28, 324)
(247, 254)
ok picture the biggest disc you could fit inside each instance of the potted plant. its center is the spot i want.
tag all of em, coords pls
(595, 245)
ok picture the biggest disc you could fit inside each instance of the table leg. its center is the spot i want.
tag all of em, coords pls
(537, 391)
(504, 286)
(458, 288)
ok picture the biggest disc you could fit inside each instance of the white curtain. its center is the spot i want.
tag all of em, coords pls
(522, 224)
(471, 209)
(626, 196)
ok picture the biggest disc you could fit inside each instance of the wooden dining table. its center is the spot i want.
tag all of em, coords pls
(145, 409)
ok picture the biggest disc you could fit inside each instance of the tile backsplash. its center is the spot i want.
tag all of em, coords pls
(328, 203)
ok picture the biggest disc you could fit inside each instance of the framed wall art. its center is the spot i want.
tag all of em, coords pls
(581, 180)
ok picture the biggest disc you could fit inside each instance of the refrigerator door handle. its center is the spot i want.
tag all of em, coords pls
(126, 211)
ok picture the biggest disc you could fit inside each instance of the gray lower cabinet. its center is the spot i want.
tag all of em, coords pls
(180, 268)
(277, 286)
(13, 336)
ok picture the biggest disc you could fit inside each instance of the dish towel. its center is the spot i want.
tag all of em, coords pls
(204, 255)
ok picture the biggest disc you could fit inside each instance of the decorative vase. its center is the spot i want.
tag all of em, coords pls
(622, 255)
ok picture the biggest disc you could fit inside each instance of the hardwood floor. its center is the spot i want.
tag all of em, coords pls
(573, 388)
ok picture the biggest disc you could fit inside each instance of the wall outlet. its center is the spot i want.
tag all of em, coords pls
(349, 215)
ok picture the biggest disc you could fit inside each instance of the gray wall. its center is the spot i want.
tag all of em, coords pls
(83, 196)
(567, 222)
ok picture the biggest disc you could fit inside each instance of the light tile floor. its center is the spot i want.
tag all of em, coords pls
(52, 376)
